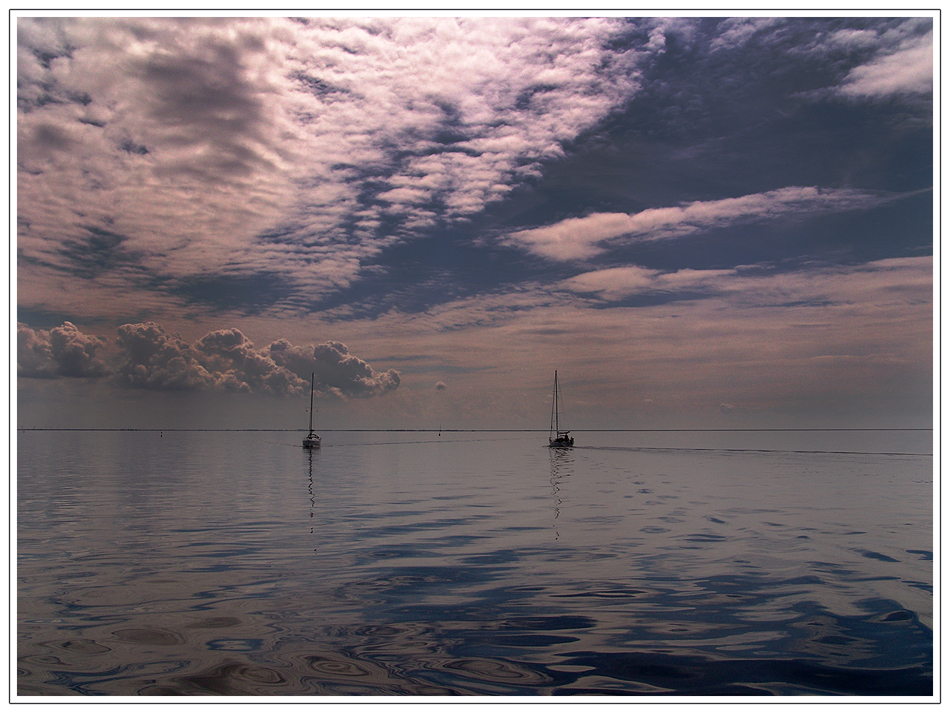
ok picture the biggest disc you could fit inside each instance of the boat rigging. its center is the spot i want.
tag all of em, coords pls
(312, 440)
(558, 438)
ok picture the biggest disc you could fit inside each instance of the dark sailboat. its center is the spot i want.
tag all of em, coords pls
(558, 438)
(312, 440)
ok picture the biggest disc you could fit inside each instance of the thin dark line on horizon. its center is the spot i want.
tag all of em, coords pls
(483, 430)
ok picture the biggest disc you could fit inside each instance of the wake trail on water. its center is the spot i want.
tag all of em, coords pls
(642, 449)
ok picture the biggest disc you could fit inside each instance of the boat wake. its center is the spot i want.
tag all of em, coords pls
(667, 449)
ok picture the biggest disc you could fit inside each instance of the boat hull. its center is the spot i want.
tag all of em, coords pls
(311, 442)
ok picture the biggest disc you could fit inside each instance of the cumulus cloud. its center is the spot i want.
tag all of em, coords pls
(583, 238)
(61, 351)
(230, 352)
(335, 370)
(297, 149)
(150, 358)
(147, 356)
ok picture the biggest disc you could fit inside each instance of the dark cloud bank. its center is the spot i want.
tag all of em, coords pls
(146, 356)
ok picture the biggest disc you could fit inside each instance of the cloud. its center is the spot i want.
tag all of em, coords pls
(215, 150)
(230, 352)
(758, 286)
(150, 358)
(298, 149)
(617, 283)
(147, 356)
(614, 283)
(906, 70)
(892, 58)
(735, 32)
(866, 58)
(62, 351)
(584, 238)
(336, 370)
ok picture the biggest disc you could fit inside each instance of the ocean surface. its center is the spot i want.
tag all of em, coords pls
(203, 563)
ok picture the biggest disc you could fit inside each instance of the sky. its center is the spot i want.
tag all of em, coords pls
(700, 222)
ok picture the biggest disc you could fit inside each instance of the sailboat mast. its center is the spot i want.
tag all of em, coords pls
(557, 425)
(311, 402)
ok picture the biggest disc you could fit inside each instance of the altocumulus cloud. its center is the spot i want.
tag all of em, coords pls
(146, 356)
(293, 149)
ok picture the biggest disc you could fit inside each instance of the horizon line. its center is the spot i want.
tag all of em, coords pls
(474, 430)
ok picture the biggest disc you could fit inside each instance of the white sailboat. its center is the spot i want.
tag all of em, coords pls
(312, 440)
(558, 438)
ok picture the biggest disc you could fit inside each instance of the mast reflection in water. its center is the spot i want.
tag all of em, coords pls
(562, 462)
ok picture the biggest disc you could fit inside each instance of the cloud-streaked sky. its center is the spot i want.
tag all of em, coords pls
(708, 222)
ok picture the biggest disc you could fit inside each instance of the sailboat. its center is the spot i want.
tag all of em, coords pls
(556, 437)
(312, 440)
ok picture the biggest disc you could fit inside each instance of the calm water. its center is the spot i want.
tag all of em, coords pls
(691, 564)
